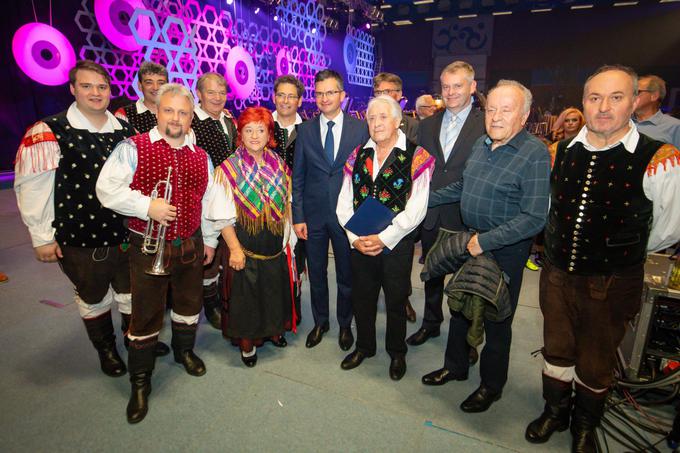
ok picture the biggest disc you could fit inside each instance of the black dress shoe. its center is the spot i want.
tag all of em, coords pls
(441, 377)
(397, 367)
(280, 342)
(191, 362)
(354, 359)
(473, 356)
(316, 335)
(345, 339)
(480, 400)
(410, 312)
(249, 361)
(421, 336)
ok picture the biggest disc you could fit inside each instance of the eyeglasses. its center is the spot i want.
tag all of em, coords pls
(428, 107)
(326, 94)
(387, 92)
(287, 97)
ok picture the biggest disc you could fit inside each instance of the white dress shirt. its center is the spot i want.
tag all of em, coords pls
(114, 192)
(290, 127)
(34, 184)
(661, 187)
(404, 222)
(337, 130)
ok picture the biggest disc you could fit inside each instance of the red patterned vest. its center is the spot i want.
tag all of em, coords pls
(189, 180)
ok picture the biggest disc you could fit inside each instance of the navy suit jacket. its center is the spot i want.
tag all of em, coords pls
(317, 183)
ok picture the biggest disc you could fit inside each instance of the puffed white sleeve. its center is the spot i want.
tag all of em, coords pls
(661, 185)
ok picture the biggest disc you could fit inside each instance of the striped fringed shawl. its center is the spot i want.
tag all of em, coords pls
(261, 193)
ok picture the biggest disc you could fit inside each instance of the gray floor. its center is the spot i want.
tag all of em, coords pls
(54, 398)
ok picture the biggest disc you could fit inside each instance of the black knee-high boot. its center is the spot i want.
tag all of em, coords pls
(212, 305)
(100, 332)
(183, 340)
(588, 410)
(161, 349)
(141, 361)
(555, 416)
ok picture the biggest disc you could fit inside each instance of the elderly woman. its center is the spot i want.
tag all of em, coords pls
(396, 174)
(257, 181)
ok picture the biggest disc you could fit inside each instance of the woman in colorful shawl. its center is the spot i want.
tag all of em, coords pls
(259, 183)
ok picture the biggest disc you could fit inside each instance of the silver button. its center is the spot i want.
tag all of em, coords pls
(581, 207)
(578, 227)
(585, 195)
(571, 269)
(571, 263)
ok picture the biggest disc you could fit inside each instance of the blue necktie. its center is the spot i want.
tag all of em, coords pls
(329, 144)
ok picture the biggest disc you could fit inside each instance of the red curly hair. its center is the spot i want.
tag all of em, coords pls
(257, 115)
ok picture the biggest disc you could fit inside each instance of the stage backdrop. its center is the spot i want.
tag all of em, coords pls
(249, 43)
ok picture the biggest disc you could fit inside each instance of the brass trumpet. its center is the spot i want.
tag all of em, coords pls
(154, 236)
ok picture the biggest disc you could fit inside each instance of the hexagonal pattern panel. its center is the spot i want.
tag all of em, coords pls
(359, 57)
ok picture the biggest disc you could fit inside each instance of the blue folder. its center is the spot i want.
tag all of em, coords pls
(372, 217)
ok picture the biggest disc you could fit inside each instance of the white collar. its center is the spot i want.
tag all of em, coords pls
(155, 136)
(298, 118)
(141, 106)
(78, 121)
(629, 141)
(337, 120)
(203, 115)
(401, 142)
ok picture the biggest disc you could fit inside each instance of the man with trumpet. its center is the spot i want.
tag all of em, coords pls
(172, 252)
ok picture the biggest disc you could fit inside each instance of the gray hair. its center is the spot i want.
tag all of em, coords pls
(394, 106)
(656, 85)
(219, 78)
(422, 100)
(528, 98)
(176, 90)
(459, 65)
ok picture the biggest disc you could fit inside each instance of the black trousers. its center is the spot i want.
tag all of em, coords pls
(495, 357)
(392, 273)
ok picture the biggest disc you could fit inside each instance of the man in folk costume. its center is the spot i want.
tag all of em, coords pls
(213, 129)
(125, 185)
(288, 91)
(57, 166)
(397, 173)
(142, 114)
(614, 197)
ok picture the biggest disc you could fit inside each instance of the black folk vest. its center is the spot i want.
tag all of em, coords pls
(211, 137)
(600, 219)
(392, 187)
(79, 218)
(142, 122)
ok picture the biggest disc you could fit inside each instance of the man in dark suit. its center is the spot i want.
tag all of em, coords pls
(449, 136)
(321, 149)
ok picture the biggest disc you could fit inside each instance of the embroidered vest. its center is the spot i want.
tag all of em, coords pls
(600, 219)
(211, 137)
(79, 218)
(392, 187)
(189, 180)
(142, 122)
(285, 147)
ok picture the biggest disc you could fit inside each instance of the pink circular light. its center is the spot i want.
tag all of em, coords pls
(43, 53)
(240, 72)
(113, 17)
(283, 62)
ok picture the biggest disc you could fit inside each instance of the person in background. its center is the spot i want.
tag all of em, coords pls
(142, 114)
(425, 106)
(649, 118)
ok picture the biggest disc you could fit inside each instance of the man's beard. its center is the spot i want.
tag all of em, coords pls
(170, 134)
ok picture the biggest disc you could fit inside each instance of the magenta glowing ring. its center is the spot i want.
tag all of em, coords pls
(283, 63)
(113, 18)
(43, 53)
(240, 72)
